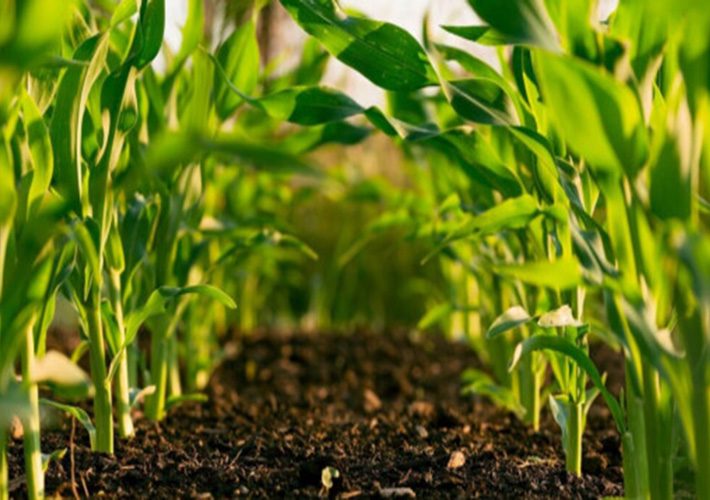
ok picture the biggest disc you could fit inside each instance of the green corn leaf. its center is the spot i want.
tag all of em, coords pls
(151, 26)
(40, 150)
(124, 11)
(600, 117)
(56, 455)
(209, 291)
(511, 319)
(238, 65)
(485, 35)
(77, 413)
(515, 213)
(384, 53)
(567, 348)
(481, 100)
(67, 120)
(561, 274)
(309, 105)
(520, 22)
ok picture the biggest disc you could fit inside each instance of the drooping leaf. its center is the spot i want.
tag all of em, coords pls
(151, 26)
(521, 22)
(384, 53)
(77, 413)
(485, 35)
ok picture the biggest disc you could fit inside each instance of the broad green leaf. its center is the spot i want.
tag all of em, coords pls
(485, 35)
(151, 26)
(515, 213)
(670, 173)
(567, 348)
(40, 150)
(309, 105)
(238, 57)
(63, 377)
(124, 11)
(521, 22)
(560, 274)
(68, 117)
(384, 53)
(645, 26)
(209, 291)
(513, 318)
(478, 160)
(558, 318)
(481, 100)
(77, 413)
(600, 117)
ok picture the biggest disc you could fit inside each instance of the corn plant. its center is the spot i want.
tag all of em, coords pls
(601, 127)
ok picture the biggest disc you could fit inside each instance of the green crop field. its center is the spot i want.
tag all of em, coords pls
(531, 211)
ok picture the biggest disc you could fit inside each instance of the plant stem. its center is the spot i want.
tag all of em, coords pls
(4, 479)
(122, 388)
(635, 487)
(31, 422)
(660, 471)
(174, 384)
(701, 423)
(636, 454)
(102, 399)
(155, 404)
(575, 428)
(530, 391)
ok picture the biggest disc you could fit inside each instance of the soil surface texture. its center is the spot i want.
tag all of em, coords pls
(384, 411)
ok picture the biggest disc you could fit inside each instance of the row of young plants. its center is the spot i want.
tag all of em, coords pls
(572, 200)
(147, 200)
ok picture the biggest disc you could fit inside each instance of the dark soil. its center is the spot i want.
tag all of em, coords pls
(383, 410)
